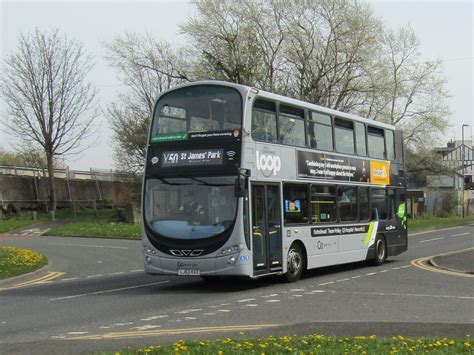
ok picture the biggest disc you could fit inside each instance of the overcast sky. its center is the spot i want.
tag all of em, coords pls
(444, 28)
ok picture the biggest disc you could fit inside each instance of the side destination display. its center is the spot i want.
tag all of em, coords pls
(332, 167)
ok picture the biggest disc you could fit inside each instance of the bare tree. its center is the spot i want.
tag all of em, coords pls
(50, 104)
(147, 67)
(415, 89)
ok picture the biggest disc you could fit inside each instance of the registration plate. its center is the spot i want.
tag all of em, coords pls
(187, 272)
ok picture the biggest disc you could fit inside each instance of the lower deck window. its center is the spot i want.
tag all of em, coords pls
(323, 203)
(347, 196)
(295, 203)
(378, 204)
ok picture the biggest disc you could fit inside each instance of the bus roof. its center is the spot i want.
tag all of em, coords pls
(287, 100)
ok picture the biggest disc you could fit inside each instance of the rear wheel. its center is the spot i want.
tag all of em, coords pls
(295, 264)
(380, 251)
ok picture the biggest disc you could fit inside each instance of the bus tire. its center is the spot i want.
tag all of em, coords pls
(295, 263)
(380, 250)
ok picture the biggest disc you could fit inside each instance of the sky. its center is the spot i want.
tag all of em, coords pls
(444, 28)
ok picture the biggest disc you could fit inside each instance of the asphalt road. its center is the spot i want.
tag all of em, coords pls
(98, 298)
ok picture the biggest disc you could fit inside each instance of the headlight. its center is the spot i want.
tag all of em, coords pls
(232, 250)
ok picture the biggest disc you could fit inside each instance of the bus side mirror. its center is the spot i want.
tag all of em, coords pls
(239, 186)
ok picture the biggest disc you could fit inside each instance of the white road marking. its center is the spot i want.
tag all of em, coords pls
(458, 235)
(190, 318)
(327, 283)
(384, 271)
(224, 304)
(77, 333)
(108, 291)
(118, 273)
(246, 300)
(318, 291)
(296, 295)
(272, 301)
(186, 311)
(355, 277)
(269, 296)
(154, 318)
(437, 230)
(251, 305)
(395, 268)
(223, 310)
(297, 290)
(146, 327)
(405, 267)
(430, 240)
(210, 314)
(91, 276)
(59, 337)
(70, 279)
(137, 270)
(370, 274)
(342, 280)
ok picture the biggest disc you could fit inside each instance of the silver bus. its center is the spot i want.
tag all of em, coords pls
(243, 182)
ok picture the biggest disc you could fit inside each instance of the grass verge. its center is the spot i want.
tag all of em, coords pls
(426, 223)
(311, 344)
(20, 221)
(97, 228)
(15, 261)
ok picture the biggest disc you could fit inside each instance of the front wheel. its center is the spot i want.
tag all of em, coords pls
(295, 264)
(380, 251)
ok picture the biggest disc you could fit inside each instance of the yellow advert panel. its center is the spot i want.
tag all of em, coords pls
(380, 172)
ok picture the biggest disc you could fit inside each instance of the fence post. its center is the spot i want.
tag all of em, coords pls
(94, 207)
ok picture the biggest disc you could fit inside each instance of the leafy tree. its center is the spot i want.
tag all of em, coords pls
(147, 67)
(335, 53)
(50, 103)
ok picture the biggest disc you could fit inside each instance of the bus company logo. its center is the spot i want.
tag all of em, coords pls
(154, 160)
(268, 163)
(320, 245)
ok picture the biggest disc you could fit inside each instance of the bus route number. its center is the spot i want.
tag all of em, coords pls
(171, 158)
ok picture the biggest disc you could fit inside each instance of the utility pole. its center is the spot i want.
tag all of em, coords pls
(462, 169)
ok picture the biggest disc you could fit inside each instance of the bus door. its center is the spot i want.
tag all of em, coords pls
(266, 228)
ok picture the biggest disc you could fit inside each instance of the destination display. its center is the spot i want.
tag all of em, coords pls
(340, 230)
(332, 167)
(202, 157)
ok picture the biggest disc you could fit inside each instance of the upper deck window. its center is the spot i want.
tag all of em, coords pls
(291, 125)
(201, 108)
(320, 131)
(375, 138)
(389, 142)
(264, 125)
(344, 136)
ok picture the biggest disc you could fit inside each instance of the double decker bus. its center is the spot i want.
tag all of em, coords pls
(243, 182)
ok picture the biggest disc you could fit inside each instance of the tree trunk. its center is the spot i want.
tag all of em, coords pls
(51, 185)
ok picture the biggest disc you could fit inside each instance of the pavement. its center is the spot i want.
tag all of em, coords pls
(462, 261)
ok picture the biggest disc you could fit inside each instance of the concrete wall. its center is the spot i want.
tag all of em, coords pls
(25, 191)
